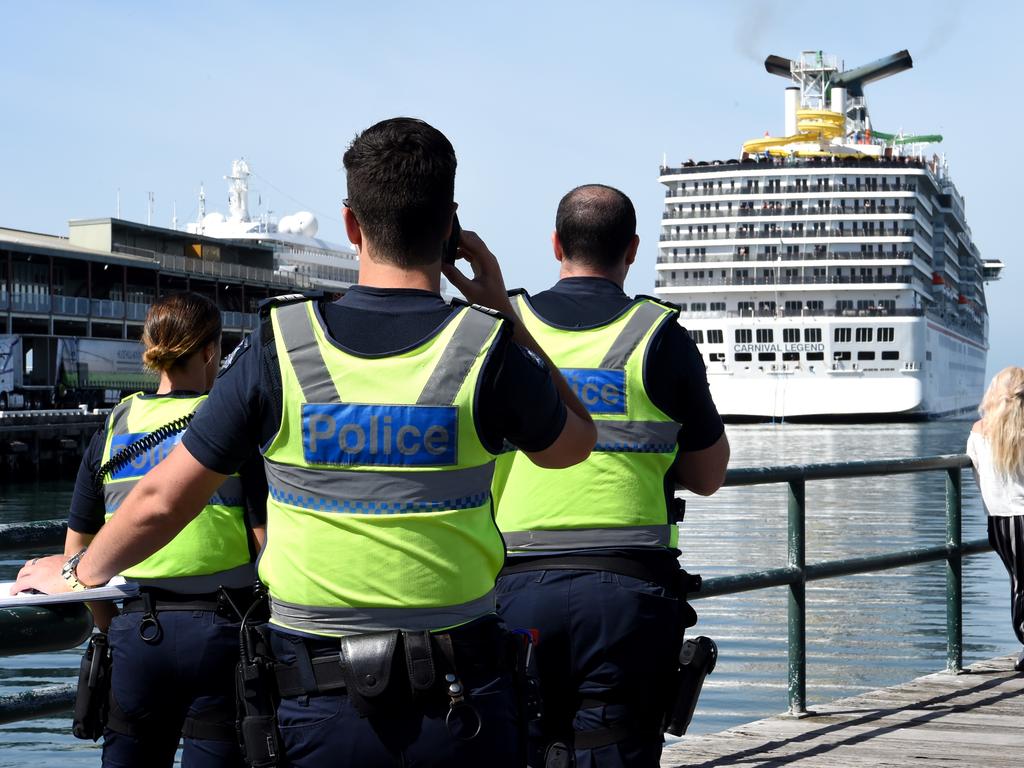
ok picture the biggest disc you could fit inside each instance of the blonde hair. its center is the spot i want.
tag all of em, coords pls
(176, 327)
(1002, 420)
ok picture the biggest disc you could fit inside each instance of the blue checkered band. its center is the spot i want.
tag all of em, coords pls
(364, 507)
(635, 447)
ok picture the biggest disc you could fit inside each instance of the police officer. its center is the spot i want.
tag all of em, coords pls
(593, 558)
(378, 417)
(175, 647)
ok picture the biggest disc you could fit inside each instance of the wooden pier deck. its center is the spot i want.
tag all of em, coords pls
(975, 719)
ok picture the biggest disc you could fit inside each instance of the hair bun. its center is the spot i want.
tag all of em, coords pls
(159, 358)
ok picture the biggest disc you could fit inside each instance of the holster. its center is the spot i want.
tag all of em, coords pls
(256, 688)
(92, 702)
(366, 663)
(697, 660)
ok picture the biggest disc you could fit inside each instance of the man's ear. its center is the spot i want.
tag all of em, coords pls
(556, 245)
(352, 228)
(634, 244)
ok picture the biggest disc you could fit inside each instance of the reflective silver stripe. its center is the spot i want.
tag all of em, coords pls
(235, 578)
(431, 488)
(119, 418)
(304, 354)
(343, 621)
(229, 494)
(636, 436)
(630, 337)
(517, 306)
(457, 358)
(589, 538)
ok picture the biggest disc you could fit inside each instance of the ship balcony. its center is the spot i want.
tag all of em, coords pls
(783, 281)
(792, 189)
(868, 312)
(689, 237)
(874, 257)
(880, 210)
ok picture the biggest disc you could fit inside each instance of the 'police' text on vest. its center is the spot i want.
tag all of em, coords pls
(382, 435)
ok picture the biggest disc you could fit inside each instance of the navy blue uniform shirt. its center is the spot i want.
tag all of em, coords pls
(517, 399)
(87, 508)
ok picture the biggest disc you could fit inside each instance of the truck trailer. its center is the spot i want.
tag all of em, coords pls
(59, 371)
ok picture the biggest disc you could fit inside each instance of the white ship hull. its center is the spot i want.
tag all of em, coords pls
(940, 373)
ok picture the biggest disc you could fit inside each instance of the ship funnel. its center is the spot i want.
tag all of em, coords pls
(854, 80)
(778, 65)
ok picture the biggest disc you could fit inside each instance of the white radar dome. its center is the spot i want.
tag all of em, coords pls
(284, 225)
(305, 223)
(213, 219)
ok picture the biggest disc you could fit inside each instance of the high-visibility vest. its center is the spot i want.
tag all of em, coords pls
(616, 498)
(213, 549)
(379, 513)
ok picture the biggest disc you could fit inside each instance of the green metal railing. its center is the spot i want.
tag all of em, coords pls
(798, 572)
(46, 629)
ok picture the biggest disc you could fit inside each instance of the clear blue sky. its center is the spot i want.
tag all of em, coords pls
(537, 97)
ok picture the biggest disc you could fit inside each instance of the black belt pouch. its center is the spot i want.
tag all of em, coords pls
(366, 664)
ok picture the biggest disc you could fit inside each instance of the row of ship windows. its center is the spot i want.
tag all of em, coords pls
(744, 253)
(812, 305)
(771, 357)
(798, 207)
(801, 184)
(792, 335)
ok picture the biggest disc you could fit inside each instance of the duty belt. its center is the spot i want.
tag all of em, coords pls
(678, 583)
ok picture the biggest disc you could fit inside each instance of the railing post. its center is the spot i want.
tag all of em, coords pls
(797, 607)
(954, 575)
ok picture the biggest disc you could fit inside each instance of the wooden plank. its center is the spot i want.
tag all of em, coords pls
(974, 719)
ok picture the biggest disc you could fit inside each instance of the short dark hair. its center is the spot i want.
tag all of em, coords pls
(401, 185)
(595, 224)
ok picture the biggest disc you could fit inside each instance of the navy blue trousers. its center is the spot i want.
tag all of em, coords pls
(189, 672)
(606, 649)
(325, 730)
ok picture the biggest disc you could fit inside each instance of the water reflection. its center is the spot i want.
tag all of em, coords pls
(863, 632)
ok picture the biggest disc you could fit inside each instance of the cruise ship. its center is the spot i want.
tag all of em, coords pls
(828, 273)
(330, 267)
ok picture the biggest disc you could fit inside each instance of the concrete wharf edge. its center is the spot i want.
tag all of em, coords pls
(974, 719)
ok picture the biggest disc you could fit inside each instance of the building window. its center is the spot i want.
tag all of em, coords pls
(886, 334)
(812, 334)
(891, 354)
(864, 334)
(745, 306)
(742, 357)
(815, 306)
(698, 306)
(743, 336)
(864, 355)
(791, 335)
(718, 306)
(697, 336)
(716, 337)
(794, 306)
(766, 357)
(840, 355)
(717, 357)
(790, 356)
(815, 355)
(765, 335)
(842, 334)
